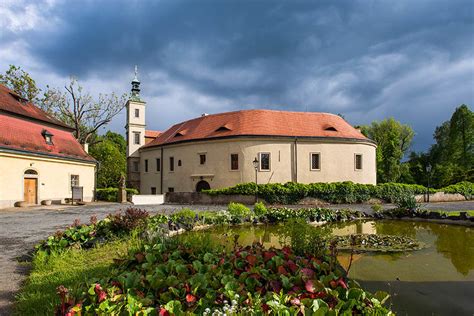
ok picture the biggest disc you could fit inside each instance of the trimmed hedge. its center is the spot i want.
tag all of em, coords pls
(110, 194)
(337, 192)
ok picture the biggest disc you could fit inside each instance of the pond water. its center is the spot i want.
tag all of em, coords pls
(436, 280)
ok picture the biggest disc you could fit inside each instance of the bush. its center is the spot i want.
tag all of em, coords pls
(259, 209)
(464, 188)
(407, 202)
(238, 212)
(111, 194)
(133, 218)
(337, 192)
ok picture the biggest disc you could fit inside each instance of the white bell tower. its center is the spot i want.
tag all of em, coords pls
(135, 129)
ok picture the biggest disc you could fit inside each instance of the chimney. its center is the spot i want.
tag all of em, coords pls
(86, 147)
(204, 114)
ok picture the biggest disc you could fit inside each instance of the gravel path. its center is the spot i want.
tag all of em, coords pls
(21, 229)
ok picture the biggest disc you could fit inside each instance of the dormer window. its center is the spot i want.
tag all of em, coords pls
(223, 128)
(331, 129)
(48, 137)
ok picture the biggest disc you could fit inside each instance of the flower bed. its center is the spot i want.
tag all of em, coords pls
(177, 279)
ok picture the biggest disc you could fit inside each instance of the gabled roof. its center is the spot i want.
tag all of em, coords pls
(24, 127)
(26, 136)
(259, 123)
(13, 103)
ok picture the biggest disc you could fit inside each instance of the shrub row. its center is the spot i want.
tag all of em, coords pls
(111, 194)
(337, 192)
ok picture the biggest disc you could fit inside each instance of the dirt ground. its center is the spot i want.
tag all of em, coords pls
(22, 228)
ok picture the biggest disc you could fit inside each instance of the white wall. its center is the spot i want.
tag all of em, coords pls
(53, 178)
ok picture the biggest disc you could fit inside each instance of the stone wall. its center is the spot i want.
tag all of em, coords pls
(440, 197)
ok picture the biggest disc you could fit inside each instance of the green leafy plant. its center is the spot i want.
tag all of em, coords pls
(111, 194)
(174, 279)
(338, 192)
(239, 212)
(259, 209)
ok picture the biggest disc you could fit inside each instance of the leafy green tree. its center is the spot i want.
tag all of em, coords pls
(20, 81)
(109, 151)
(393, 140)
(452, 156)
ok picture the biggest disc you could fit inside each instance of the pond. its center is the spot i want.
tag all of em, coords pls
(438, 279)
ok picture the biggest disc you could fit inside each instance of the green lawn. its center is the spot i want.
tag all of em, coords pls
(71, 269)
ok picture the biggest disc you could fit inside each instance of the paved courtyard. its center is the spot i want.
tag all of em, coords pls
(21, 229)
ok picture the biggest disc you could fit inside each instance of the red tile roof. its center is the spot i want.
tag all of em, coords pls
(12, 102)
(23, 135)
(259, 123)
(153, 134)
(20, 134)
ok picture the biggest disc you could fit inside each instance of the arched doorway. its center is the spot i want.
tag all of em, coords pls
(202, 185)
(30, 186)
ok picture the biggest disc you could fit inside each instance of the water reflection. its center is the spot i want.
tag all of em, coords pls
(448, 257)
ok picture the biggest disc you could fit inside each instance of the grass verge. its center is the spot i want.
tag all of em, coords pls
(72, 269)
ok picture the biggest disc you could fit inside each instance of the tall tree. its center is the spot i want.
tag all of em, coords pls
(453, 153)
(393, 141)
(20, 81)
(81, 111)
(109, 151)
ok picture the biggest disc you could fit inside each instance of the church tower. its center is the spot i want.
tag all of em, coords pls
(135, 133)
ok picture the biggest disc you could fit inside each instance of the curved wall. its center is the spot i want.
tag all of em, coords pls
(289, 161)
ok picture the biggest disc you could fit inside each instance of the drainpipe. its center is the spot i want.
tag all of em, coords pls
(296, 160)
(96, 170)
(161, 171)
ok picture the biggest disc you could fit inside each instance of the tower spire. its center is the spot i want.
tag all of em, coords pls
(135, 86)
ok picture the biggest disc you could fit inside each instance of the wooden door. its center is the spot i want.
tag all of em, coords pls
(30, 190)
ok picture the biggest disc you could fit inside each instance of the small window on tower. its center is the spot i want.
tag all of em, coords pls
(202, 159)
(136, 138)
(137, 112)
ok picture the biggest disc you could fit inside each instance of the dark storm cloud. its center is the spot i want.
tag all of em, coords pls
(365, 59)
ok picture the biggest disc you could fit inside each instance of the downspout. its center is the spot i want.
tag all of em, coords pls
(296, 160)
(161, 171)
(96, 171)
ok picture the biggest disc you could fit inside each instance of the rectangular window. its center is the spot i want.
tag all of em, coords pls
(158, 164)
(315, 161)
(137, 113)
(136, 166)
(170, 189)
(202, 159)
(74, 180)
(171, 163)
(358, 162)
(136, 138)
(153, 190)
(146, 165)
(264, 161)
(234, 161)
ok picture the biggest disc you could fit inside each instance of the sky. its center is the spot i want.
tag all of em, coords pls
(367, 60)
